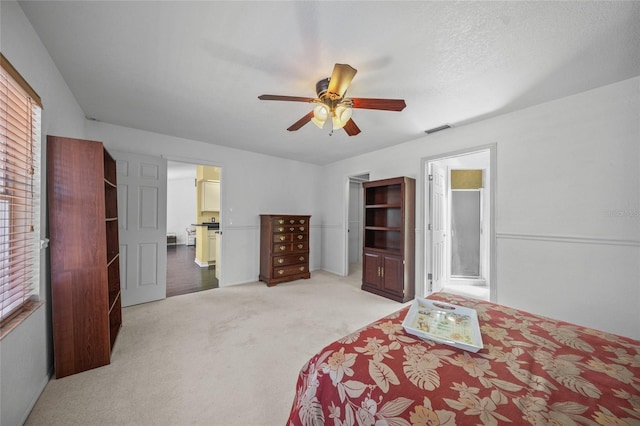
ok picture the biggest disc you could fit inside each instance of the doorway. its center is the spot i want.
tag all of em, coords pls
(193, 227)
(459, 223)
(354, 215)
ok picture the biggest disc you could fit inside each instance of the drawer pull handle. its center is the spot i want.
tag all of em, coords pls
(292, 229)
(302, 268)
(300, 237)
(301, 220)
(280, 261)
(280, 271)
(300, 246)
(302, 228)
(282, 238)
(280, 229)
(301, 258)
(283, 248)
(280, 221)
(292, 221)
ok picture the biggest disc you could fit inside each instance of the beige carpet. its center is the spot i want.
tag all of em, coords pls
(226, 356)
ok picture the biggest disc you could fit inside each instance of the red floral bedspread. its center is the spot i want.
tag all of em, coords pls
(532, 369)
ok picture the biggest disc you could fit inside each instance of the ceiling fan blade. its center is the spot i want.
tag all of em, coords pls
(340, 80)
(304, 120)
(284, 98)
(351, 128)
(382, 104)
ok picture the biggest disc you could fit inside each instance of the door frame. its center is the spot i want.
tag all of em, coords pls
(351, 177)
(201, 162)
(425, 215)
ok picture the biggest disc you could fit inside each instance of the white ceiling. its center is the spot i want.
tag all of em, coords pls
(195, 69)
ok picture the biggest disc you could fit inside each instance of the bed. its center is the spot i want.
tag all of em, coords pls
(532, 370)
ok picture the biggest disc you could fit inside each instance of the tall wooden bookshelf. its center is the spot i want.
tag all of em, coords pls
(84, 253)
(388, 267)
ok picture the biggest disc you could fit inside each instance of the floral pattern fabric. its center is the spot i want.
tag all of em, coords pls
(532, 370)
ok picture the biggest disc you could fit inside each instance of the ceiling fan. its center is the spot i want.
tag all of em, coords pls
(331, 102)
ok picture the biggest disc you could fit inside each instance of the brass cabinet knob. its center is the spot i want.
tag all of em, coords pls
(292, 221)
(280, 221)
(292, 229)
(302, 228)
(300, 237)
(302, 268)
(280, 229)
(282, 238)
(280, 271)
(280, 261)
(283, 248)
(301, 258)
(301, 220)
(300, 246)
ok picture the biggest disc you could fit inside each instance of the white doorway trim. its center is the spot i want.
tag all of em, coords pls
(349, 178)
(423, 287)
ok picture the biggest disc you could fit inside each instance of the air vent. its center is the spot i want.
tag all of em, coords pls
(438, 129)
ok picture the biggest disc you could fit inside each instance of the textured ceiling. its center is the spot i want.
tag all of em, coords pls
(194, 69)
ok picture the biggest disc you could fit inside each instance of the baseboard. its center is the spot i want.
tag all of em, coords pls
(201, 264)
(33, 402)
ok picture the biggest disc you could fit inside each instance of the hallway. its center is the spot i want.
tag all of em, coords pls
(183, 275)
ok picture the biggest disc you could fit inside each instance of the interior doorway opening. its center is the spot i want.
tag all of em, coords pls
(194, 234)
(355, 226)
(459, 223)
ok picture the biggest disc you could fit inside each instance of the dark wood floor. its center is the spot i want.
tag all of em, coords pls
(184, 275)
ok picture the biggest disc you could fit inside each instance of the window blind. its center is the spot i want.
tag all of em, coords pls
(19, 191)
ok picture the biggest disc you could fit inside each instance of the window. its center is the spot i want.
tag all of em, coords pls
(20, 110)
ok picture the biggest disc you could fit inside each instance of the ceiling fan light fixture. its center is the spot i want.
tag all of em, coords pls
(318, 123)
(320, 115)
(341, 115)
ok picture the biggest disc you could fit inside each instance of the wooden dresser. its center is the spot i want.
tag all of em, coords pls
(284, 248)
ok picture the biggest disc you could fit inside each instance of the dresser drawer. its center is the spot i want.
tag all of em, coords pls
(283, 248)
(280, 229)
(282, 238)
(289, 270)
(291, 220)
(289, 260)
(290, 238)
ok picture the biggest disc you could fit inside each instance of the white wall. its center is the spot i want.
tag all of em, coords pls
(567, 204)
(181, 206)
(25, 354)
(253, 184)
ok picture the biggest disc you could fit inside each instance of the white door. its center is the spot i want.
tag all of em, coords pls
(437, 210)
(142, 216)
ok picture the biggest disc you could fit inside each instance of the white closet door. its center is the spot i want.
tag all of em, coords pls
(142, 216)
